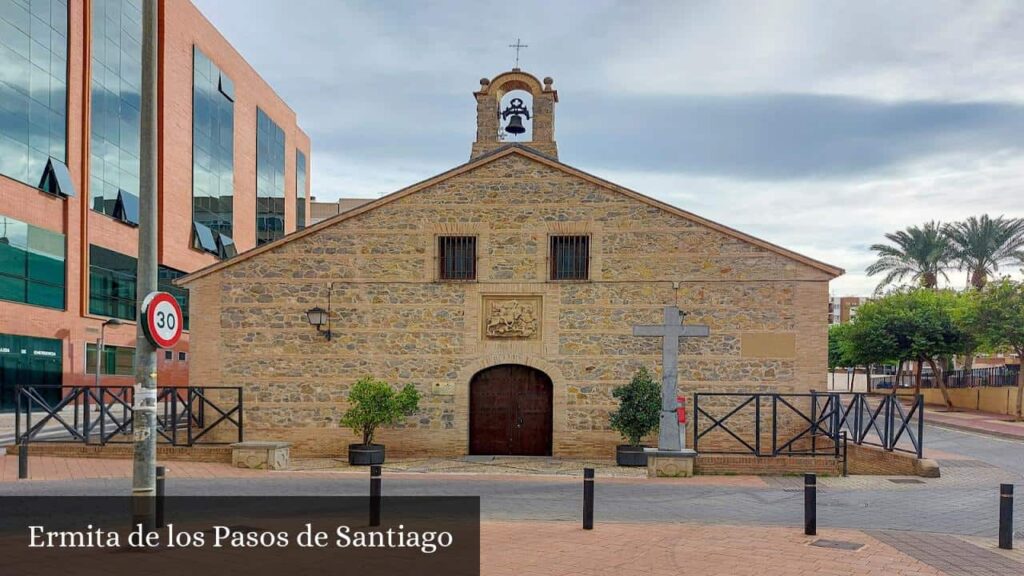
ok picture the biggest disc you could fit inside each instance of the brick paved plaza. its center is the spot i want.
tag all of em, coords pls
(705, 525)
(542, 549)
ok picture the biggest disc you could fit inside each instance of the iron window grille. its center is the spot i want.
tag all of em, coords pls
(456, 257)
(570, 257)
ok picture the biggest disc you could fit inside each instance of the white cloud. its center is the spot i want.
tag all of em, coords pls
(836, 222)
(384, 88)
(934, 49)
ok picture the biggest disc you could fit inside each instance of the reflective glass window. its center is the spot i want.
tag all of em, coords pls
(213, 118)
(300, 190)
(165, 283)
(269, 179)
(116, 360)
(127, 208)
(115, 132)
(112, 283)
(32, 264)
(203, 239)
(33, 86)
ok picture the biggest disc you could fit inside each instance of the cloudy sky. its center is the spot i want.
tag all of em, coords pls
(817, 125)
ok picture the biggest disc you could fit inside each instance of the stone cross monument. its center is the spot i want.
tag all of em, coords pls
(670, 332)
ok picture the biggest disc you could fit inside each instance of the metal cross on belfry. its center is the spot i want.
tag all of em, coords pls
(517, 46)
(671, 331)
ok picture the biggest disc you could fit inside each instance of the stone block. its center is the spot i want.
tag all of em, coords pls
(670, 464)
(260, 455)
(928, 468)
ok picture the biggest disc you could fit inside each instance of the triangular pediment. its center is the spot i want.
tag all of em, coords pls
(524, 152)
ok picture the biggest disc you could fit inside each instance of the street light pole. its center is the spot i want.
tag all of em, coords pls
(144, 406)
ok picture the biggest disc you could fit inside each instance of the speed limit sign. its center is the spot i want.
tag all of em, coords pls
(162, 319)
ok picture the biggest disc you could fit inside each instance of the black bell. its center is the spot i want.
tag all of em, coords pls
(514, 113)
(515, 125)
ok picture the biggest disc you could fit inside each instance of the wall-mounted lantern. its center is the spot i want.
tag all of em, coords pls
(319, 317)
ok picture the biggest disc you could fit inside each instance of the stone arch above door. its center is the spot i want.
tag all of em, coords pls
(510, 411)
(558, 388)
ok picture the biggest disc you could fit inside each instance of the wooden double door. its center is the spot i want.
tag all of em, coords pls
(510, 411)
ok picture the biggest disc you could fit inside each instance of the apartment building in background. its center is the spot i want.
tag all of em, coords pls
(233, 174)
(320, 211)
(842, 309)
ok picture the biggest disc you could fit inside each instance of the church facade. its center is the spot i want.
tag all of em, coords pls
(505, 290)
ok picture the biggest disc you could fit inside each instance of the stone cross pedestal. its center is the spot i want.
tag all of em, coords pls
(670, 332)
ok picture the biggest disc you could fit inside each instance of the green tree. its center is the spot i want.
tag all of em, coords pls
(837, 356)
(835, 351)
(374, 403)
(912, 325)
(1000, 325)
(981, 244)
(864, 343)
(639, 407)
(922, 253)
(965, 315)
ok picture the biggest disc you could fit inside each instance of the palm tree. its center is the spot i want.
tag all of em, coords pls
(923, 253)
(980, 245)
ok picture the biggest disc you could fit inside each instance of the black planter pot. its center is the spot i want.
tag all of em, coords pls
(626, 455)
(363, 455)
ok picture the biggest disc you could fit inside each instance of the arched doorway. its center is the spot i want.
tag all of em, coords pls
(510, 411)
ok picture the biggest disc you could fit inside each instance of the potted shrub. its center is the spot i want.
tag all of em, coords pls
(637, 416)
(374, 403)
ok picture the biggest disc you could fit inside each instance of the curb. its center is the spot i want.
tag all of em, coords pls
(962, 428)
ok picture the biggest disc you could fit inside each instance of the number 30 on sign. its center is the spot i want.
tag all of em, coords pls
(162, 319)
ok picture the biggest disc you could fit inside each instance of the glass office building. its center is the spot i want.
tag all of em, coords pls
(70, 178)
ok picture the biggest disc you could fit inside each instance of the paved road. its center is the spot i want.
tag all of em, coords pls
(1002, 452)
(963, 502)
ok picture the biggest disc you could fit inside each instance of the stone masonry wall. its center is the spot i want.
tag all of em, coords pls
(394, 320)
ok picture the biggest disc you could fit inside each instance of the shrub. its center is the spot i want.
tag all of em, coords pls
(375, 403)
(639, 407)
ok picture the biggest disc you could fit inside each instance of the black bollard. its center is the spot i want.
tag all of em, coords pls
(810, 504)
(846, 456)
(161, 473)
(1006, 516)
(23, 459)
(588, 498)
(374, 495)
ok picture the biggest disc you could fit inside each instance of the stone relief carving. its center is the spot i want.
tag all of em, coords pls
(511, 319)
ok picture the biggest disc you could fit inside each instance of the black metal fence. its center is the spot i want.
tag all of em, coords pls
(103, 414)
(996, 376)
(807, 427)
(812, 424)
(883, 421)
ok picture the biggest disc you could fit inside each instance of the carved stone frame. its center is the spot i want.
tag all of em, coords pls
(485, 306)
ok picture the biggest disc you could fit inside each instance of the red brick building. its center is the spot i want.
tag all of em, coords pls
(233, 172)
